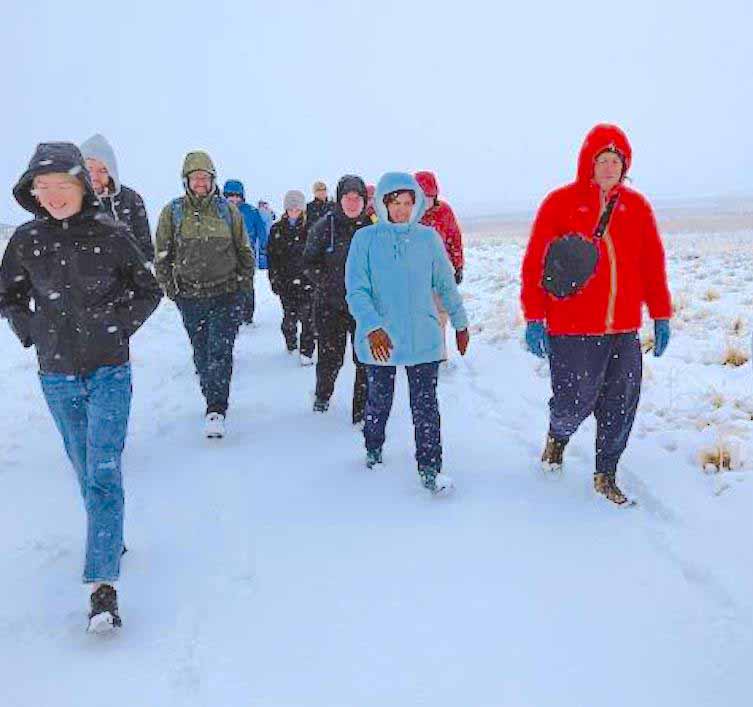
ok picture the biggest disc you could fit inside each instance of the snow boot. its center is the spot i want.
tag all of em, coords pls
(307, 360)
(214, 426)
(321, 405)
(435, 481)
(103, 614)
(605, 484)
(373, 457)
(551, 459)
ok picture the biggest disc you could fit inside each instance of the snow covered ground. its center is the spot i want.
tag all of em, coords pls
(272, 569)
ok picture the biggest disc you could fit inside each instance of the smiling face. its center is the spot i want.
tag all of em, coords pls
(99, 175)
(608, 168)
(352, 204)
(200, 182)
(400, 207)
(60, 194)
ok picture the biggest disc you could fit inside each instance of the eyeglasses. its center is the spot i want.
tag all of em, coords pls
(233, 195)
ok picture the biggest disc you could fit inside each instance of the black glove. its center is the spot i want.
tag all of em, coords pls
(458, 276)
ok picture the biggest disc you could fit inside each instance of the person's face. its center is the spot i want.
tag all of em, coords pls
(234, 198)
(59, 194)
(400, 208)
(352, 204)
(321, 194)
(294, 213)
(200, 182)
(607, 170)
(99, 175)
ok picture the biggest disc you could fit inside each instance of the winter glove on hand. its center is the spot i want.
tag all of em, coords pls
(661, 336)
(459, 276)
(537, 339)
(381, 345)
(462, 338)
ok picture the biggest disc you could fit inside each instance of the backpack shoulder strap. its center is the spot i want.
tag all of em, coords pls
(177, 207)
(604, 220)
(223, 208)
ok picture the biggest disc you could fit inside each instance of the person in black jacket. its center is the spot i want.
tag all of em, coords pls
(120, 202)
(92, 290)
(325, 255)
(287, 239)
(319, 205)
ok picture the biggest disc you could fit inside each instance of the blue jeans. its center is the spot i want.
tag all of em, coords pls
(91, 413)
(212, 324)
(422, 382)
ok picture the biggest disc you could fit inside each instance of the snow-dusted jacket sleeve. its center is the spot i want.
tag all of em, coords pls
(243, 249)
(533, 297)
(15, 294)
(654, 269)
(443, 283)
(358, 286)
(140, 227)
(164, 258)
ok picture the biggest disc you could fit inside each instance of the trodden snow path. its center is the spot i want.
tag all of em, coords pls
(271, 568)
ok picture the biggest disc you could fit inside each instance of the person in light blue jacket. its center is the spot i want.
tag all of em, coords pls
(394, 267)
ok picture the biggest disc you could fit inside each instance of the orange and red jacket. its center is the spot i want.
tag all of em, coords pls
(631, 267)
(441, 218)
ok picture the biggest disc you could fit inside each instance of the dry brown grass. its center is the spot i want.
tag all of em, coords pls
(711, 295)
(716, 459)
(735, 356)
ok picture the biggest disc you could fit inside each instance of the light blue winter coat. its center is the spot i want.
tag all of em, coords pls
(392, 272)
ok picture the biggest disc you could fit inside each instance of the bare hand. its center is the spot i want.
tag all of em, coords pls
(462, 339)
(381, 345)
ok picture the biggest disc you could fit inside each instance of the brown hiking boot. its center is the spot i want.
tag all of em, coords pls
(551, 459)
(605, 484)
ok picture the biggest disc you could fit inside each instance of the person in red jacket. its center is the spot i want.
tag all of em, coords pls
(591, 337)
(440, 217)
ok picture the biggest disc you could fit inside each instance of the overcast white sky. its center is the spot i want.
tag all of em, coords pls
(495, 97)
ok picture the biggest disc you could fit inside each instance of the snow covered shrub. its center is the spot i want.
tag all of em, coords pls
(734, 355)
(711, 295)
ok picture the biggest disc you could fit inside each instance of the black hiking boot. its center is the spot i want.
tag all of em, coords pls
(321, 405)
(373, 457)
(551, 459)
(103, 616)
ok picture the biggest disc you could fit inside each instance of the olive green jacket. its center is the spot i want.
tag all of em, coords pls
(206, 257)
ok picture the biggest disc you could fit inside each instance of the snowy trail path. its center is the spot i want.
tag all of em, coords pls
(272, 569)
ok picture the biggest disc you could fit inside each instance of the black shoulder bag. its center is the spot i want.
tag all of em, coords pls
(571, 260)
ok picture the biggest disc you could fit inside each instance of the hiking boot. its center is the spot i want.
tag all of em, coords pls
(551, 459)
(435, 481)
(307, 360)
(373, 457)
(214, 426)
(605, 484)
(321, 405)
(103, 616)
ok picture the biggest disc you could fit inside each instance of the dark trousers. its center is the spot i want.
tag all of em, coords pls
(297, 307)
(422, 382)
(212, 325)
(599, 375)
(332, 328)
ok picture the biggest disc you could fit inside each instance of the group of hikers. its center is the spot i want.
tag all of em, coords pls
(379, 265)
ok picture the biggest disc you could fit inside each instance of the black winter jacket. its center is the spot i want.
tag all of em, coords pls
(316, 208)
(128, 207)
(88, 280)
(326, 251)
(285, 257)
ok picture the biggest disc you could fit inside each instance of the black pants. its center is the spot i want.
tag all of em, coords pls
(212, 325)
(599, 375)
(332, 327)
(297, 307)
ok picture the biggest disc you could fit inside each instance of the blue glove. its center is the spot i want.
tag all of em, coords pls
(537, 339)
(661, 336)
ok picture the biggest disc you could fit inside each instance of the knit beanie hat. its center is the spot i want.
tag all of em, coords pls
(294, 200)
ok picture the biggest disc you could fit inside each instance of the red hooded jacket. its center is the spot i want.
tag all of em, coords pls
(631, 268)
(441, 218)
